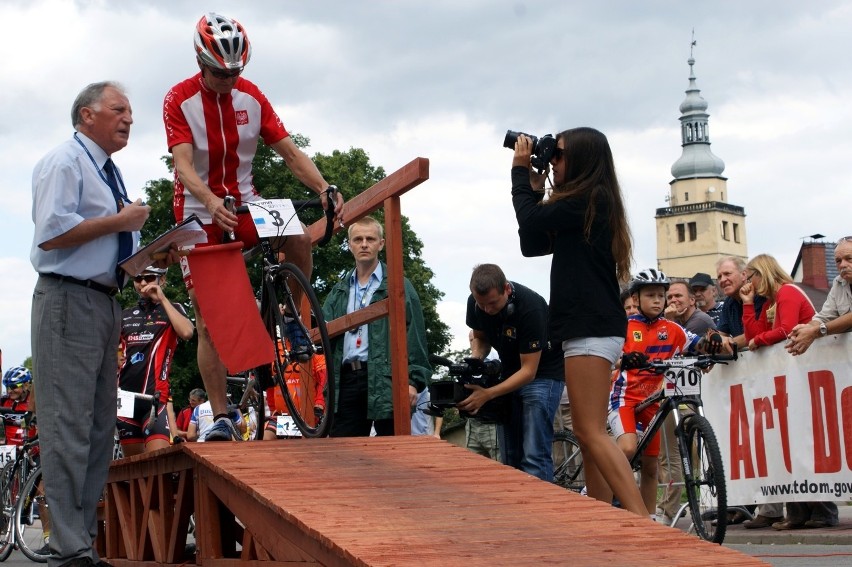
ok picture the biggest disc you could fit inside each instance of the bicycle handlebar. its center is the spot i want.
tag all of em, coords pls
(331, 195)
(701, 361)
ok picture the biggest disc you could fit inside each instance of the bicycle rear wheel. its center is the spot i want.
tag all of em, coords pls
(9, 489)
(567, 461)
(302, 369)
(704, 478)
(29, 509)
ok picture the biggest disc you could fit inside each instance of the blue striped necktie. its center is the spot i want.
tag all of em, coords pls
(125, 239)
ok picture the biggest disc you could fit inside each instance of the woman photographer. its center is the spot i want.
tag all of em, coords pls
(583, 225)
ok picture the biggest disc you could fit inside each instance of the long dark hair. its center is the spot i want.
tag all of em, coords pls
(590, 175)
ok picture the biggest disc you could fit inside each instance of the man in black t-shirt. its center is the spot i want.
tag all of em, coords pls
(512, 319)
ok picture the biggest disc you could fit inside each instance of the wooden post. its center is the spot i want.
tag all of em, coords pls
(396, 318)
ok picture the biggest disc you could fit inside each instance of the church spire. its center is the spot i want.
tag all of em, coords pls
(697, 159)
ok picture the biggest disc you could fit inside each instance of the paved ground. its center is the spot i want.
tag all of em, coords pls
(738, 536)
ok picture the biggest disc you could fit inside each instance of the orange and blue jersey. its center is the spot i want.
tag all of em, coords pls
(657, 338)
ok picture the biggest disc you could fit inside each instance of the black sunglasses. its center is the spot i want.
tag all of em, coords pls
(220, 74)
(558, 153)
(147, 278)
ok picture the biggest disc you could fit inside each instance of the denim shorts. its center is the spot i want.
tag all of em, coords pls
(608, 348)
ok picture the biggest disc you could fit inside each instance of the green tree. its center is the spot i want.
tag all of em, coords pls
(353, 173)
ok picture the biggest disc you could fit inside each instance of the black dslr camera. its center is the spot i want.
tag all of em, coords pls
(450, 391)
(542, 148)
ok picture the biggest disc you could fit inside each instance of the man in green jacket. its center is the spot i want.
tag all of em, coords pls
(362, 355)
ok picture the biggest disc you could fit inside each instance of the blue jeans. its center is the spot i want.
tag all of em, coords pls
(526, 440)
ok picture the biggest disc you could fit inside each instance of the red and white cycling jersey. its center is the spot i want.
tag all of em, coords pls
(223, 130)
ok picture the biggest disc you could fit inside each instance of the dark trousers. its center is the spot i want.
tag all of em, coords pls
(350, 419)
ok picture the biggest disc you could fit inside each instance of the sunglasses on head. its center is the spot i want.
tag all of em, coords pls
(147, 278)
(221, 74)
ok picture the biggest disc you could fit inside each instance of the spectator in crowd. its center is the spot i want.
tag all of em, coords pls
(149, 335)
(836, 314)
(196, 397)
(730, 273)
(203, 419)
(362, 355)
(705, 296)
(512, 319)
(213, 123)
(681, 308)
(630, 307)
(421, 422)
(786, 307)
(84, 225)
(584, 226)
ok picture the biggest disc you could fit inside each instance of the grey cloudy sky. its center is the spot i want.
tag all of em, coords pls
(444, 80)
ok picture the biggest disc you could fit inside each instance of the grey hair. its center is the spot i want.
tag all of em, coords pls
(737, 261)
(198, 393)
(90, 97)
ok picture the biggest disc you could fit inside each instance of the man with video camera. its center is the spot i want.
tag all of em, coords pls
(512, 319)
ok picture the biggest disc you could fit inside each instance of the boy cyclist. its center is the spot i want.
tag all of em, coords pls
(18, 382)
(649, 336)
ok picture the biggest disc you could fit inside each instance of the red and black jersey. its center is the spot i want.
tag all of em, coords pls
(12, 422)
(148, 341)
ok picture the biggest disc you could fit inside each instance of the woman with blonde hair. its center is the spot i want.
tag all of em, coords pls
(786, 305)
(584, 227)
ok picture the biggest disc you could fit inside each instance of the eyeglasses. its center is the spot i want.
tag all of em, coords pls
(147, 278)
(14, 386)
(220, 74)
(748, 277)
(558, 153)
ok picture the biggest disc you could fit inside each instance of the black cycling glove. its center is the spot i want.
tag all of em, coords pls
(633, 360)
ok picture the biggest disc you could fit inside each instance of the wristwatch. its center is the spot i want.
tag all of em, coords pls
(823, 330)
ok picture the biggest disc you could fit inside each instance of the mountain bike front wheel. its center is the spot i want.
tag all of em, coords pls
(567, 461)
(30, 516)
(704, 478)
(302, 369)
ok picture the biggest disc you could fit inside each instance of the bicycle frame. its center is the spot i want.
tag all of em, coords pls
(667, 406)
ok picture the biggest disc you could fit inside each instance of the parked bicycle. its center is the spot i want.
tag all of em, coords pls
(568, 461)
(14, 479)
(293, 318)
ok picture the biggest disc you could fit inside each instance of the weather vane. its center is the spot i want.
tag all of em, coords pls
(691, 45)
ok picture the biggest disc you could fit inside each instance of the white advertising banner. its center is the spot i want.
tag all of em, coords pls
(784, 423)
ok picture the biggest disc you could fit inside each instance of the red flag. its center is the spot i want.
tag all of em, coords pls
(226, 300)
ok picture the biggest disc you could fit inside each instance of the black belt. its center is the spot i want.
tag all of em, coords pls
(85, 283)
(354, 366)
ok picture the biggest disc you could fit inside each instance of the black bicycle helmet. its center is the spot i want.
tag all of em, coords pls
(650, 276)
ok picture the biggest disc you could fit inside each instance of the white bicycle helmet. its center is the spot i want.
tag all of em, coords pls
(221, 42)
(650, 276)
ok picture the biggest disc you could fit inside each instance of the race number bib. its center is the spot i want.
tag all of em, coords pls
(682, 380)
(275, 217)
(7, 453)
(286, 427)
(126, 403)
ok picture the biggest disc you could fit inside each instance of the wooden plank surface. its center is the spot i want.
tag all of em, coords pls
(421, 501)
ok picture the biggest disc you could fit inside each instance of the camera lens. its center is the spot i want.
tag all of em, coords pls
(512, 137)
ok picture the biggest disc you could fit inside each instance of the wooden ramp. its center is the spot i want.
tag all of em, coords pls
(369, 501)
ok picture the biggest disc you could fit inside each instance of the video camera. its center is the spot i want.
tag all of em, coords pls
(447, 393)
(542, 148)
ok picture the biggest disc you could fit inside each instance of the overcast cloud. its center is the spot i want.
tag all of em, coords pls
(444, 80)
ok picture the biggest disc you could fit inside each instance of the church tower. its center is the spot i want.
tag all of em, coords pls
(698, 226)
